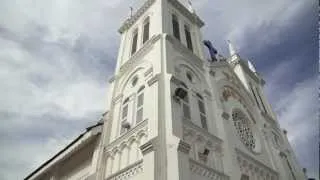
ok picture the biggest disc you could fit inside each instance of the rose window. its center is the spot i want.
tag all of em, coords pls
(242, 124)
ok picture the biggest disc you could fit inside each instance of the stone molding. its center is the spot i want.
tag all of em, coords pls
(195, 132)
(148, 147)
(154, 79)
(184, 147)
(127, 172)
(135, 132)
(249, 164)
(129, 22)
(184, 11)
(206, 171)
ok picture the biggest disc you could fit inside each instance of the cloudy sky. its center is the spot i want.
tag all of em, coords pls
(56, 57)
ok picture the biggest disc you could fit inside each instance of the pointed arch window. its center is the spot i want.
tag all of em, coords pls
(202, 111)
(188, 37)
(175, 26)
(146, 30)
(134, 42)
(140, 102)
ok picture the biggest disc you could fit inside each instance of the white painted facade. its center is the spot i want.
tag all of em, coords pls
(174, 115)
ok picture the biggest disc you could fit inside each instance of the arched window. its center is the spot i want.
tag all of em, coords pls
(134, 42)
(188, 37)
(184, 101)
(202, 111)
(124, 116)
(175, 26)
(140, 102)
(146, 30)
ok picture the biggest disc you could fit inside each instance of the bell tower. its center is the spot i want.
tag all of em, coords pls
(175, 115)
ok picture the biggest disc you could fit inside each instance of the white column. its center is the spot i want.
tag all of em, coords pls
(109, 163)
(124, 157)
(116, 162)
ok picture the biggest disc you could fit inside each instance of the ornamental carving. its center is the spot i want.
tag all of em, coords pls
(136, 134)
(254, 168)
(243, 127)
(207, 172)
(128, 172)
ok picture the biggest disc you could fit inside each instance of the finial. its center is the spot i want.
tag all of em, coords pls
(232, 50)
(190, 6)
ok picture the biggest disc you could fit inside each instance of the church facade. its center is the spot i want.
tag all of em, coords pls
(177, 115)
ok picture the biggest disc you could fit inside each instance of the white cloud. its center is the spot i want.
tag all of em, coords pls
(54, 52)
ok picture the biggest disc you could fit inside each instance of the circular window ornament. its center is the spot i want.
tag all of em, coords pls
(243, 127)
(134, 81)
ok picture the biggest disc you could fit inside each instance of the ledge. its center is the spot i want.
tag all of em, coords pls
(210, 172)
(135, 58)
(189, 124)
(132, 166)
(141, 125)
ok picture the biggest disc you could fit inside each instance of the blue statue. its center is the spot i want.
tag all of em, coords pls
(213, 52)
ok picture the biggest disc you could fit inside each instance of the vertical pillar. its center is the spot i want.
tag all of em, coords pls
(183, 159)
(148, 153)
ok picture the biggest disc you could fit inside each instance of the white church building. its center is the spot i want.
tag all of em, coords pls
(177, 115)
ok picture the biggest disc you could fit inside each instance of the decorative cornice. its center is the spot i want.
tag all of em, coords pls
(184, 147)
(185, 51)
(154, 79)
(142, 126)
(136, 58)
(148, 146)
(184, 11)
(129, 22)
